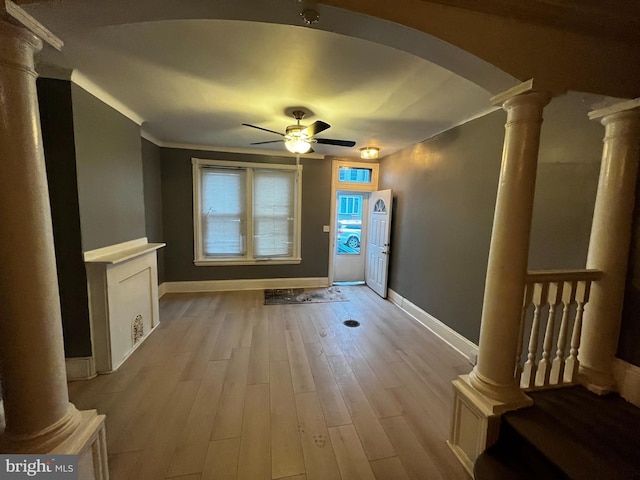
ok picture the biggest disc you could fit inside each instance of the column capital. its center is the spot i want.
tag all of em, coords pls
(12, 13)
(605, 114)
(523, 90)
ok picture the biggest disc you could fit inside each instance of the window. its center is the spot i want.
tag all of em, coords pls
(354, 175)
(349, 204)
(246, 213)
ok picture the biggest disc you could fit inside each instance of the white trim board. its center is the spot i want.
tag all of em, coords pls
(80, 368)
(162, 289)
(467, 348)
(244, 284)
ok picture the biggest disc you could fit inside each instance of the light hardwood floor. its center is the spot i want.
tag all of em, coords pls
(227, 388)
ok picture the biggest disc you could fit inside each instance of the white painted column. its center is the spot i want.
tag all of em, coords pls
(37, 408)
(493, 375)
(610, 242)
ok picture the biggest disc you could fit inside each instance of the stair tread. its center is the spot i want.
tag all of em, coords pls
(585, 435)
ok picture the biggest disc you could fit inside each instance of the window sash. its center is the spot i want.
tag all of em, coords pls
(258, 221)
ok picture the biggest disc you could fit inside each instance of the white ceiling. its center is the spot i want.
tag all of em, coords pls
(196, 81)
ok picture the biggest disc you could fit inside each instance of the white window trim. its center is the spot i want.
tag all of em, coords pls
(200, 259)
(337, 185)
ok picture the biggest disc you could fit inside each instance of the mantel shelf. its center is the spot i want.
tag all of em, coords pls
(120, 256)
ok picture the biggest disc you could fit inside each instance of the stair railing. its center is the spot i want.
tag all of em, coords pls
(545, 362)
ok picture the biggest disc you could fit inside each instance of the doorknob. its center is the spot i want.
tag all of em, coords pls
(384, 252)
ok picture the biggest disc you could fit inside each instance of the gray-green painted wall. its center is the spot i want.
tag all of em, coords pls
(152, 177)
(445, 191)
(109, 166)
(177, 209)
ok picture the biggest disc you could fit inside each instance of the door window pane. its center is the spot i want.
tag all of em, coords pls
(349, 232)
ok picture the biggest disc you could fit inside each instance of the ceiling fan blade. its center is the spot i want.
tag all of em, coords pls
(339, 143)
(265, 129)
(315, 128)
(270, 141)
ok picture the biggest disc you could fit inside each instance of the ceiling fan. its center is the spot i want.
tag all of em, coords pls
(298, 138)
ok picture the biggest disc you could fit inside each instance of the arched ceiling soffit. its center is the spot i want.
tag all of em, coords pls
(73, 16)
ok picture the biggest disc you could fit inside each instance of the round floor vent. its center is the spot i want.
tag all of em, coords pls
(351, 323)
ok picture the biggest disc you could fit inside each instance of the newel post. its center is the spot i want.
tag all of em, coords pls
(491, 388)
(609, 242)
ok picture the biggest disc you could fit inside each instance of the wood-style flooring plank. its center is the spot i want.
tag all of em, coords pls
(259, 357)
(384, 405)
(352, 461)
(222, 460)
(191, 451)
(277, 341)
(156, 455)
(199, 359)
(333, 406)
(319, 458)
(140, 424)
(228, 423)
(254, 462)
(228, 338)
(121, 465)
(389, 469)
(415, 460)
(374, 440)
(286, 450)
(298, 362)
(428, 429)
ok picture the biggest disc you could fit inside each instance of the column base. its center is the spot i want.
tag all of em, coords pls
(502, 394)
(476, 420)
(79, 433)
(89, 442)
(596, 381)
(45, 440)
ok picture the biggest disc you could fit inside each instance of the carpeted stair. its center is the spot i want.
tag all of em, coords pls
(568, 433)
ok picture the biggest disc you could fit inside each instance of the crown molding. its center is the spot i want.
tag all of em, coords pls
(94, 89)
(212, 148)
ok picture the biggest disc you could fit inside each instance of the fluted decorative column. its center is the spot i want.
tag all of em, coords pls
(610, 242)
(39, 417)
(504, 289)
(491, 389)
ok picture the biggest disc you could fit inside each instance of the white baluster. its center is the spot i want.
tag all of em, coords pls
(529, 371)
(528, 295)
(557, 368)
(544, 367)
(571, 364)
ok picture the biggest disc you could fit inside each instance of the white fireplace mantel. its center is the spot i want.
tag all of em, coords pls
(123, 299)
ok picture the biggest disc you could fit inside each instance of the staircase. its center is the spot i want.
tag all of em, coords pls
(569, 433)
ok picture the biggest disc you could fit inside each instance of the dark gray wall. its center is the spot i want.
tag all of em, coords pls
(152, 176)
(109, 166)
(56, 117)
(629, 341)
(445, 190)
(177, 206)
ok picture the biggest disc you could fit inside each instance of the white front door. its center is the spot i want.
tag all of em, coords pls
(378, 241)
(351, 228)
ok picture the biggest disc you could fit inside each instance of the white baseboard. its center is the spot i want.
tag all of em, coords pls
(80, 368)
(245, 284)
(162, 289)
(467, 348)
(627, 380)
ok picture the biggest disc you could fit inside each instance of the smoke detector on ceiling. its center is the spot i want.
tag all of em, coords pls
(310, 16)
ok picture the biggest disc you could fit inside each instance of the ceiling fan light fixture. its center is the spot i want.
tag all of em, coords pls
(369, 153)
(297, 145)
